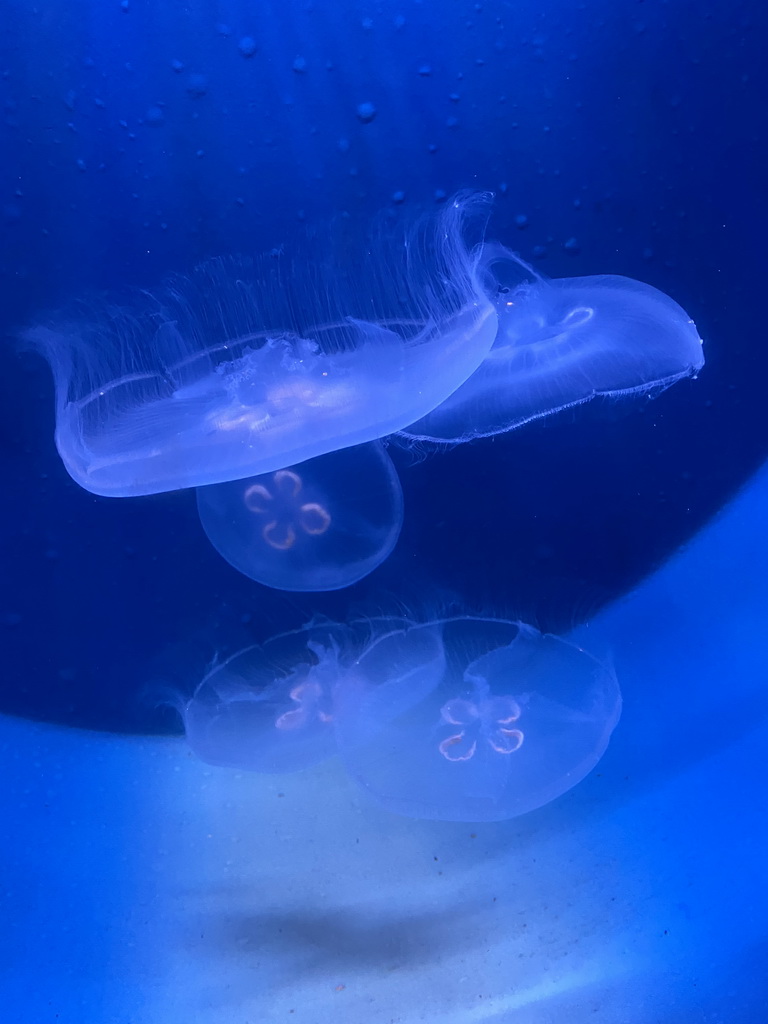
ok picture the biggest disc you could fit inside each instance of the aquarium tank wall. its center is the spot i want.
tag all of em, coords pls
(383, 572)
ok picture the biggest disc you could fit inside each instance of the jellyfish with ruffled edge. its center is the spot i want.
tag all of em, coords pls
(321, 525)
(269, 708)
(244, 369)
(472, 719)
(560, 343)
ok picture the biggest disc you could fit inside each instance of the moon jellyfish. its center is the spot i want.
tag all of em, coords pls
(244, 369)
(561, 342)
(504, 721)
(269, 708)
(321, 525)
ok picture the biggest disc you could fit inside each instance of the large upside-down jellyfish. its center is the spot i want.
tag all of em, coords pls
(241, 370)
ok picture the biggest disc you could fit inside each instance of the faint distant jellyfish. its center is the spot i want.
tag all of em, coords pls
(269, 708)
(560, 343)
(321, 525)
(244, 369)
(506, 720)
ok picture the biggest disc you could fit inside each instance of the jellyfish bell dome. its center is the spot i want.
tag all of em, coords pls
(272, 707)
(269, 707)
(562, 342)
(243, 369)
(473, 719)
(321, 525)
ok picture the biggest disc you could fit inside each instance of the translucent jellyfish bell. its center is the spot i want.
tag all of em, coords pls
(272, 707)
(504, 721)
(245, 369)
(561, 342)
(321, 525)
(269, 708)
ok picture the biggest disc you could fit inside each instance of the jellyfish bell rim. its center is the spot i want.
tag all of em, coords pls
(316, 625)
(523, 629)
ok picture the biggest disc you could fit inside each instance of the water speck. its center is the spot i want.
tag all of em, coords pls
(366, 112)
(247, 46)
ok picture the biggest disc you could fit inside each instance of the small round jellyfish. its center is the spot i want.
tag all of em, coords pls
(321, 525)
(245, 369)
(562, 342)
(269, 708)
(504, 720)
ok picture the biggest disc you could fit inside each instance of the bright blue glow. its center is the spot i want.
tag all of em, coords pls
(243, 370)
(269, 708)
(321, 525)
(562, 342)
(472, 719)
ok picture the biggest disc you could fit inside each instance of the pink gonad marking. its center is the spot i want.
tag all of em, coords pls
(286, 513)
(484, 721)
(307, 695)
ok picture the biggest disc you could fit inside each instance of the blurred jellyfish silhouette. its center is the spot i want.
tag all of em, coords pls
(242, 370)
(269, 708)
(321, 525)
(562, 342)
(503, 720)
